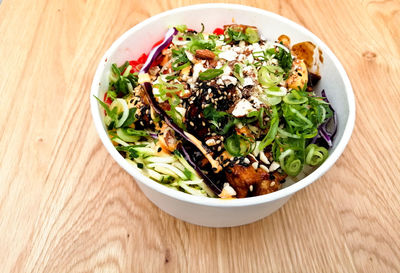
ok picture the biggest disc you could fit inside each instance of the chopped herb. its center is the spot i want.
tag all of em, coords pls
(210, 74)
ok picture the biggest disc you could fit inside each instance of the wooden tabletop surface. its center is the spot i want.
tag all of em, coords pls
(66, 206)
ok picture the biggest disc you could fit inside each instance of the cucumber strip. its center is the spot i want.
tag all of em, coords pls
(191, 190)
(167, 169)
(160, 159)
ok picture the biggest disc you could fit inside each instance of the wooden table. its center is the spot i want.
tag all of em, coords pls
(66, 206)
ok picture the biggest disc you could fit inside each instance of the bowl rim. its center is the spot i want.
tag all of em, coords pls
(217, 202)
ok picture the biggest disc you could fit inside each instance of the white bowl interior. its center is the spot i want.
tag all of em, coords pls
(140, 38)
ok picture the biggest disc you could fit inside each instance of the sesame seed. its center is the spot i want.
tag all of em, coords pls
(219, 148)
(203, 123)
(264, 168)
(251, 188)
(271, 176)
(191, 123)
(272, 184)
(159, 149)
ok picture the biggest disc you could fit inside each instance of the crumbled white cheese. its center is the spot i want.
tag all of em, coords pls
(228, 55)
(238, 49)
(247, 69)
(250, 58)
(227, 80)
(248, 82)
(143, 77)
(227, 70)
(242, 108)
(242, 44)
(256, 102)
(256, 47)
(197, 68)
(241, 57)
(227, 191)
(274, 166)
(249, 47)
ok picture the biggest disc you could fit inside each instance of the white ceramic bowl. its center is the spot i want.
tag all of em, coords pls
(216, 212)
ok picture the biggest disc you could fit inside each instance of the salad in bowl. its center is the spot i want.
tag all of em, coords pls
(226, 114)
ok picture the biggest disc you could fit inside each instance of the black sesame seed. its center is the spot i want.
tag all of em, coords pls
(159, 149)
(271, 176)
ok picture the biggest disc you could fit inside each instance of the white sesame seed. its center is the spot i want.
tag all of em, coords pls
(264, 168)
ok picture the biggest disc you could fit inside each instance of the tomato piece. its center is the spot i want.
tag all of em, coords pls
(218, 31)
(107, 99)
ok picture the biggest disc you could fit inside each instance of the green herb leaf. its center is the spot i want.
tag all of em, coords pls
(181, 28)
(210, 74)
(284, 59)
(273, 129)
(131, 118)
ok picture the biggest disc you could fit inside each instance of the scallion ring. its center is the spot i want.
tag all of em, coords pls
(315, 155)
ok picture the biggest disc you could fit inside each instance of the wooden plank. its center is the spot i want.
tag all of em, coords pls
(65, 206)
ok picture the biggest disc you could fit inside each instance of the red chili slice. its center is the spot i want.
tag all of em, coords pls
(218, 31)
(137, 64)
(106, 99)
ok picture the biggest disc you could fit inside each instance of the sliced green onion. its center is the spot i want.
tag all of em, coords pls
(291, 98)
(238, 145)
(289, 163)
(270, 75)
(275, 91)
(283, 133)
(238, 72)
(122, 106)
(181, 28)
(300, 116)
(252, 35)
(315, 155)
(273, 129)
(125, 136)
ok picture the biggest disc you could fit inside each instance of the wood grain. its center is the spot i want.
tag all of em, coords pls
(65, 206)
